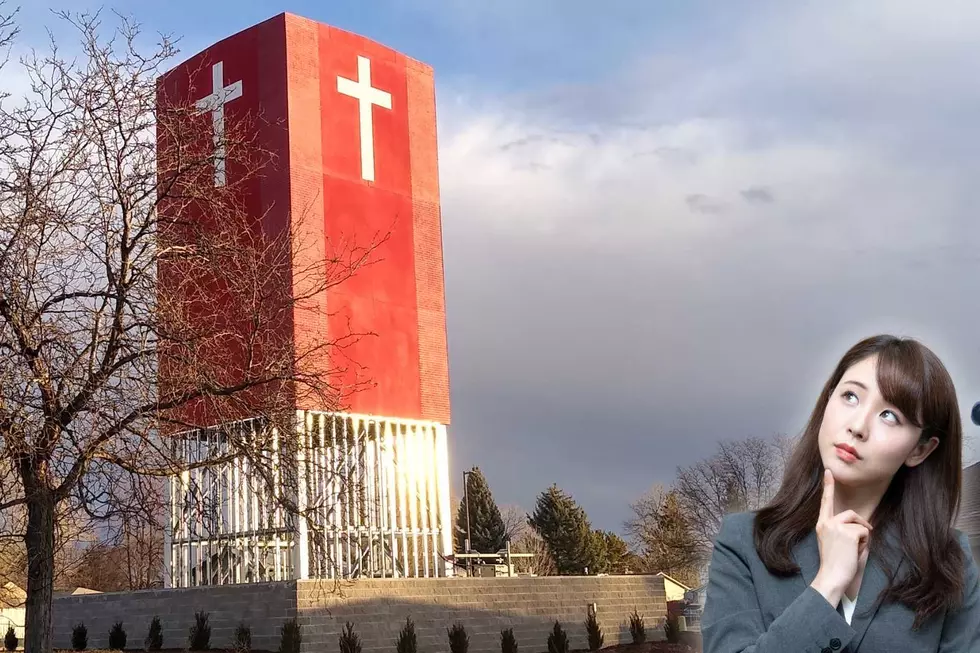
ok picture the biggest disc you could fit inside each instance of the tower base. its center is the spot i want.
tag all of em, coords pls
(346, 496)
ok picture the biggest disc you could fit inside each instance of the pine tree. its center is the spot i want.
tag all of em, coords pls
(487, 531)
(664, 537)
(597, 554)
(617, 553)
(566, 531)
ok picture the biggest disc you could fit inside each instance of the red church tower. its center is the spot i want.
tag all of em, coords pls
(351, 126)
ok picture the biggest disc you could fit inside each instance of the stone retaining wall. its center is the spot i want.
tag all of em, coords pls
(378, 609)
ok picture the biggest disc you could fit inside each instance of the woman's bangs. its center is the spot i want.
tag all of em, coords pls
(901, 379)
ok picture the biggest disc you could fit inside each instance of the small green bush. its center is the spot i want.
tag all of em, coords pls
(199, 638)
(117, 637)
(10, 641)
(594, 631)
(154, 637)
(459, 641)
(408, 641)
(558, 640)
(290, 637)
(508, 643)
(349, 640)
(637, 630)
(243, 638)
(79, 637)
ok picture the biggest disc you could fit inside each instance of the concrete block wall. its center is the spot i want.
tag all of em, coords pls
(378, 609)
(262, 606)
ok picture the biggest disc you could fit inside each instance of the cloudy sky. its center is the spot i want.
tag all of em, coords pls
(665, 221)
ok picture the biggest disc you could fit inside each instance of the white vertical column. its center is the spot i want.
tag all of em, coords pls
(428, 504)
(442, 471)
(336, 487)
(412, 474)
(391, 495)
(301, 548)
(367, 509)
(168, 536)
(377, 541)
(404, 459)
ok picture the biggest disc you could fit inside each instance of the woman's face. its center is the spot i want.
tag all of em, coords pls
(863, 439)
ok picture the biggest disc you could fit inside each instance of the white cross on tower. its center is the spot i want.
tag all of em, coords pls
(366, 97)
(215, 103)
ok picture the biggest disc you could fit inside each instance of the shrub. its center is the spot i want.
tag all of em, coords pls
(459, 641)
(79, 637)
(243, 638)
(349, 641)
(290, 637)
(594, 631)
(672, 629)
(557, 640)
(200, 634)
(637, 630)
(154, 637)
(408, 642)
(508, 643)
(10, 642)
(117, 637)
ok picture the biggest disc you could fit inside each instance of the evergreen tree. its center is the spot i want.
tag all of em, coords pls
(665, 538)
(487, 531)
(608, 553)
(596, 555)
(566, 531)
(617, 552)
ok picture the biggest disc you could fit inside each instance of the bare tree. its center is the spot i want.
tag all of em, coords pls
(129, 553)
(540, 563)
(138, 299)
(742, 475)
(515, 522)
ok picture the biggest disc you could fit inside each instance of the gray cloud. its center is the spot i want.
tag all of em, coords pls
(608, 325)
(603, 327)
(703, 204)
(758, 195)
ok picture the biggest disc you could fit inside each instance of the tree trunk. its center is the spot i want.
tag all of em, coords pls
(40, 571)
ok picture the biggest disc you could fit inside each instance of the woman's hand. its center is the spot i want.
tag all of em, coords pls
(843, 543)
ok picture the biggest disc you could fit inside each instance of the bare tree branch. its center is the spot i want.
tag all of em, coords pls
(742, 475)
(139, 303)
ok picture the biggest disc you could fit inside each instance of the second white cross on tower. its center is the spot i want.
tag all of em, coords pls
(367, 96)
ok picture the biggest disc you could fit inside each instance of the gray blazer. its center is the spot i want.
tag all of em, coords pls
(749, 610)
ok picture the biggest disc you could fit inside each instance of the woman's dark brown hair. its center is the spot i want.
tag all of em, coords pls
(920, 503)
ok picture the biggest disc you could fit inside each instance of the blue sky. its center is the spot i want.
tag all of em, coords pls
(665, 221)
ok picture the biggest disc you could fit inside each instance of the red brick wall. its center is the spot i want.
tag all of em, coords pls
(429, 276)
(390, 316)
(255, 57)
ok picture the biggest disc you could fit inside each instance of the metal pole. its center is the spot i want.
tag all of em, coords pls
(466, 501)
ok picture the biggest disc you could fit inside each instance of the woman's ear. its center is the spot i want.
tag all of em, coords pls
(922, 451)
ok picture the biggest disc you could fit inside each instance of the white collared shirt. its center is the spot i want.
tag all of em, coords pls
(848, 605)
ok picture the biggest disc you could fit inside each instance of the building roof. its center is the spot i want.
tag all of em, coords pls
(673, 580)
(60, 594)
(12, 596)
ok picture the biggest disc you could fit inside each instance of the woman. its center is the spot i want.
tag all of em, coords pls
(857, 550)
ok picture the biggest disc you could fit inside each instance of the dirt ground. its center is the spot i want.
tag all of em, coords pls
(650, 647)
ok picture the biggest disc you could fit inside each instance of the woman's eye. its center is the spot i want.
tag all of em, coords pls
(849, 396)
(894, 417)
